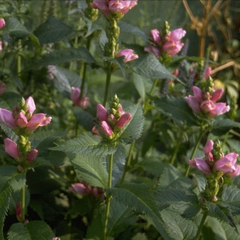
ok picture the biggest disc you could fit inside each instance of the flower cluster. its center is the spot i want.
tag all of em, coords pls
(113, 8)
(109, 124)
(86, 189)
(81, 102)
(23, 118)
(169, 44)
(206, 102)
(128, 55)
(212, 163)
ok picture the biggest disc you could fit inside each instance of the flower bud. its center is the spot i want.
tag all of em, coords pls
(31, 105)
(2, 23)
(18, 210)
(102, 113)
(7, 118)
(21, 120)
(32, 155)
(78, 188)
(124, 119)
(128, 55)
(105, 129)
(11, 148)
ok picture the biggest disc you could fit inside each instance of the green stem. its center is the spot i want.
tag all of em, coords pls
(150, 94)
(194, 150)
(19, 67)
(128, 161)
(108, 80)
(201, 225)
(108, 197)
(23, 200)
(177, 147)
(84, 70)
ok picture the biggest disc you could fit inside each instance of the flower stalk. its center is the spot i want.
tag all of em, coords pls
(205, 215)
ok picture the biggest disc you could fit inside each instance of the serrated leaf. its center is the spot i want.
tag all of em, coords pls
(139, 85)
(119, 62)
(9, 132)
(53, 31)
(138, 197)
(90, 170)
(85, 145)
(134, 129)
(34, 230)
(15, 28)
(9, 100)
(4, 205)
(222, 126)
(84, 118)
(65, 55)
(150, 67)
(177, 109)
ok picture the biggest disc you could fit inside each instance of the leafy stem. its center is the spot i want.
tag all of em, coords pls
(205, 214)
(108, 197)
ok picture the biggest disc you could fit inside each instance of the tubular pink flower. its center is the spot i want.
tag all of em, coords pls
(105, 129)
(75, 95)
(207, 106)
(2, 22)
(102, 6)
(18, 209)
(177, 34)
(31, 105)
(172, 47)
(123, 120)
(11, 148)
(201, 165)
(235, 172)
(155, 35)
(36, 121)
(227, 163)
(197, 93)
(118, 6)
(102, 113)
(207, 72)
(45, 121)
(220, 108)
(2, 87)
(7, 118)
(32, 155)
(95, 192)
(78, 188)
(193, 103)
(21, 120)
(152, 49)
(217, 94)
(175, 72)
(128, 54)
(83, 102)
(95, 131)
(208, 147)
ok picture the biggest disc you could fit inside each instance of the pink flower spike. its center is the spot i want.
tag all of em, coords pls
(193, 103)
(7, 118)
(207, 72)
(217, 94)
(128, 54)
(155, 35)
(123, 120)
(18, 209)
(2, 22)
(197, 93)
(78, 188)
(75, 95)
(177, 34)
(2, 87)
(31, 105)
(36, 121)
(21, 120)
(235, 172)
(102, 113)
(11, 148)
(208, 147)
(105, 129)
(220, 108)
(32, 155)
(201, 165)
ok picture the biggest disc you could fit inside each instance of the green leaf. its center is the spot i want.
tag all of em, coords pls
(5, 196)
(140, 198)
(150, 67)
(139, 85)
(65, 55)
(16, 29)
(34, 230)
(84, 118)
(9, 100)
(135, 127)
(86, 145)
(177, 109)
(118, 61)
(91, 170)
(222, 126)
(53, 31)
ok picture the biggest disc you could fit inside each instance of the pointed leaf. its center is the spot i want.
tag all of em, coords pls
(16, 29)
(84, 118)
(222, 126)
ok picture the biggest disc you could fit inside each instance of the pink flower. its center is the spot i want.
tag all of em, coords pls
(201, 165)
(152, 49)
(18, 209)
(155, 35)
(193, 103)
(11, 148)
(95, 192)
(7, 118)
(235, 172)
(102, 113)
(75, 95)
(2, 22)
(220, 108)
(177, 34)
(123, 120)
(31, 105)
(172, 47)
(83, 102)
(207, 72)
(175, 72)
(227, 163)
(208, 147)
(38, 120)
(105, 129)
(2, 87)
(128, 54)
(197, 93)
(32, 155)
(21, 120)
(102, 6)
(1, 46)
(78, 188)
(217, 94)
